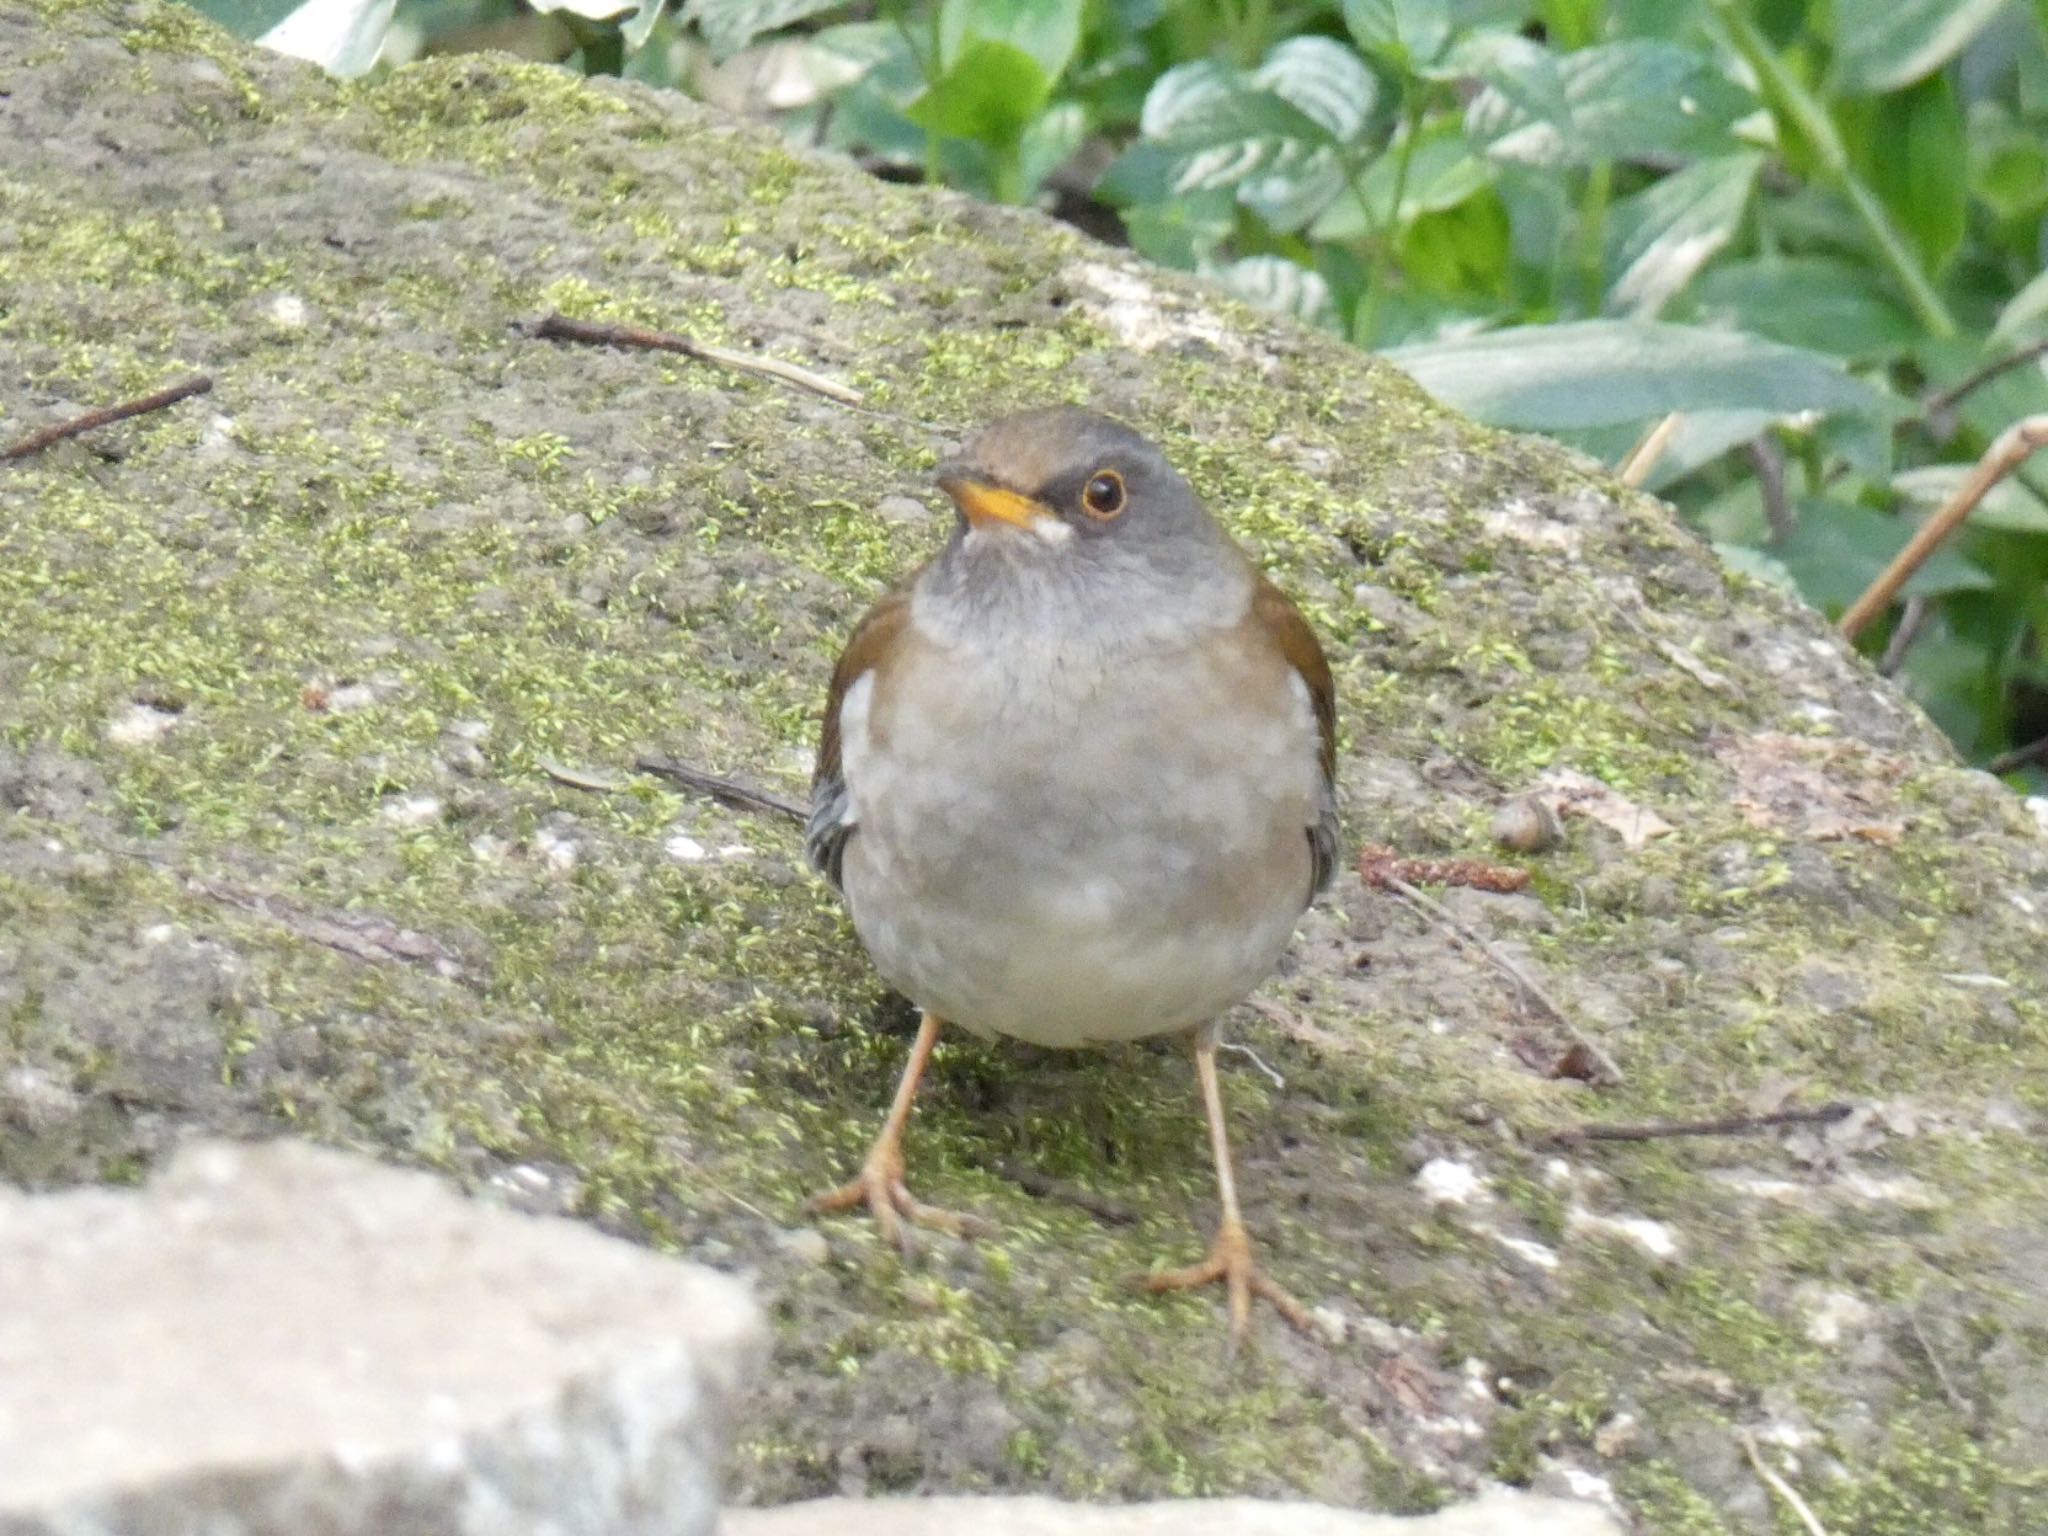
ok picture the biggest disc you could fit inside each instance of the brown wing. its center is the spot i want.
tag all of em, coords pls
(1274, 612)
(830, 824)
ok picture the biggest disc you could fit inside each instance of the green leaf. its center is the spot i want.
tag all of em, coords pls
(1403, 32)
(729, 25)
(1912, 152)
(2024, 315)
(1050, 141)
(1524, 73)
(1223, 131)
(1657, 239)
(990, 95)
(1629, 99)
(343, 37)
(1323, 78)
(1805, 301)
(1048, 30)
(2008, 505)
(1881, 45)
(1585, 373)
(1442, 173)
(1836, 550)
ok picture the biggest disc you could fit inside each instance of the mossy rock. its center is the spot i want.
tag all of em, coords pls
(296, 678)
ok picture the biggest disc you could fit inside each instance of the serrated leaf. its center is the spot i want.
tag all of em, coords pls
(1403, 32)
(1048, 30)
(1881, 45)
(1664, 234)
(1805, 301)
(729, 25)
(1289, 197)
(1323, 78)
(1586, 373)
(1050, 140)
(1633, 98)
(1523, 72)
(1275, 283)
(990, 95)
(2008, 505)
(1223, 131)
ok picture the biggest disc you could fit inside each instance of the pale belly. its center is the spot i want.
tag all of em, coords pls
(1070, 863)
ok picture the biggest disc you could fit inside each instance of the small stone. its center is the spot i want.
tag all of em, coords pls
(807, 1245)
(288, 312)
(1527, 825)
(685, 849)
(1652, 1237)
(558, 849)
(903, 509)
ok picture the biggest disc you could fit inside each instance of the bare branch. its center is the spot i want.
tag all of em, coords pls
(562, 328)
(1637, 463)
(2012, 449)
(36, 442)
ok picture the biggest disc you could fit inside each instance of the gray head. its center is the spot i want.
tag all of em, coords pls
(1069, 511)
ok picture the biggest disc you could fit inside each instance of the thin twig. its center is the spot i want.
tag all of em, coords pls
(1949, 1390)
(2018, 757)
(2012, 449)
(1637, 463)
(575, 778)
(1768, 459)
(36, 442)
(562, 328)
(1270, 1073)
(1911, 621)
(1732, 1125)
(1940, 405)
(726, 792)
(1780, 1487)
(1610, 1071)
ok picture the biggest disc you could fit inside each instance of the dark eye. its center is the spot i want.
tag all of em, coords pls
(1103, 495)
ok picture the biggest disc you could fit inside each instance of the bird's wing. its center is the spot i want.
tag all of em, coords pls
(1275, 613)
(831, 821)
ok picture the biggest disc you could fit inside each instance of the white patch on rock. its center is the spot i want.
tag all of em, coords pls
(1528, 1250)
(1831, 1314)
(1652, 1237)
(413, 810)
(1446, 1181)
(1145, 318)
(1526, 525)
(560, 850)
(288, 312)
(140, 725)
(685, 849)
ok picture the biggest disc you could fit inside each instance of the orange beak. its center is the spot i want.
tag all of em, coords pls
(983, 503)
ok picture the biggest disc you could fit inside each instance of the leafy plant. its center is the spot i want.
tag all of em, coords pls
(1813, 227)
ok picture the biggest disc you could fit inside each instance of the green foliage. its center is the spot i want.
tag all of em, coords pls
(1812, 228)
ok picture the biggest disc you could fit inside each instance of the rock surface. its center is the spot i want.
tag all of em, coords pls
(278, 1339)
(304, 684)
(1494, 1514)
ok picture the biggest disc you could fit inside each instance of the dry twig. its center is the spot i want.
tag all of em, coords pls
(726, 792)
(36, 442)
(1046, 1187)
(1934, 407)
(2012, 449)
(1949, 1389)
(1637, 463)
(562, 328)
(1732, 1125)
(1780, 1487)
(576, 778)
(1609, 1071)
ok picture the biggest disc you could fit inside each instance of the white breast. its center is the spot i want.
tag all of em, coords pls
(1067, 850)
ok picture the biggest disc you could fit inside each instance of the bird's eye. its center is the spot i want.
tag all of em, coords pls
(1103, 495)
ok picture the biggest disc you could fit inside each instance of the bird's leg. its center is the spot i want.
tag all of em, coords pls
(1229, 1259)
(879, 1185)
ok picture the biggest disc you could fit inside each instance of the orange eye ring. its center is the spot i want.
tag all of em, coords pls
(1103, 496)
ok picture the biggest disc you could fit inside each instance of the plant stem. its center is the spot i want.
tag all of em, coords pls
(1795, 106)
(1383, 235)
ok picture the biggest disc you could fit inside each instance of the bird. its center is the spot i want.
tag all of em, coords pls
(1076, 784)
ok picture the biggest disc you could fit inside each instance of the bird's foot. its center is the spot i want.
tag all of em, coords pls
(1231, 1263)
(879, 1186)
